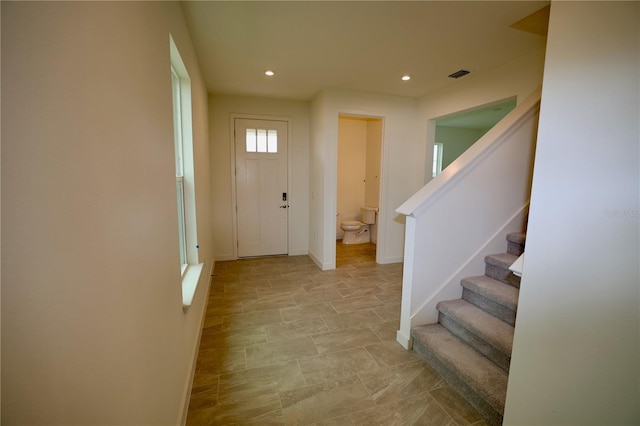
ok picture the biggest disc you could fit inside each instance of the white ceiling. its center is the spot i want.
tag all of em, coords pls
(360, 45)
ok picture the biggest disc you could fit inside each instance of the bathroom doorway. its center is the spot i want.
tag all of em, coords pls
(359, 173)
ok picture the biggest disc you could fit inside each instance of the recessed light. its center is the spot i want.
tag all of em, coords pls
(406, 77)
(270, 73)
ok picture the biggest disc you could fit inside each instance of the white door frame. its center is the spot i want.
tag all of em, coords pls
(382, 210)
(232, 159)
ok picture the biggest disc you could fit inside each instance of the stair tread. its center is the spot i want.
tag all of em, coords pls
(503, 260)
(497, 291)
(517, 237)
(492, 330)
(483, 376)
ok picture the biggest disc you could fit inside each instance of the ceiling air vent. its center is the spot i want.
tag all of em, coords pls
(459, 74)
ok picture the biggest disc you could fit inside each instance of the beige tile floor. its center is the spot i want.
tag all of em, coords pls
(287, 344)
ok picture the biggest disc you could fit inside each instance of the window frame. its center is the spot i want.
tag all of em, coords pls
(254, 144)
(190, 268)
(184, 169)
(436, 167)
(176, 91)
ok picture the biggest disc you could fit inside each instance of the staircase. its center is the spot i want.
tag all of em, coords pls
(470, 346)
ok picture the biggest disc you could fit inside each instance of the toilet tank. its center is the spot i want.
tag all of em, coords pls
(368, 214)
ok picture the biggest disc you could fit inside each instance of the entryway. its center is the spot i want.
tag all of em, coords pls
(262, 201)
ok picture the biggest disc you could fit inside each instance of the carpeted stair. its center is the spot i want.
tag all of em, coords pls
(470, 346)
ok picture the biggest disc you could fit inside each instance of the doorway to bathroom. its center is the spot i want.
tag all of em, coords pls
(359, 173)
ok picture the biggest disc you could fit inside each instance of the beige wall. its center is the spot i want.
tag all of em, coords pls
(576, 352)
(221, 109)
(317, 176)
(93, 330)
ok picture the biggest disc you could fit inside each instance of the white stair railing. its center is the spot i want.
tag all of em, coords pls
(464, 213)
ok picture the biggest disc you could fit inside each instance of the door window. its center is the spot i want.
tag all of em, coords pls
(262, 140)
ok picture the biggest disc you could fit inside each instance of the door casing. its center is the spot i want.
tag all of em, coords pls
(232, 160)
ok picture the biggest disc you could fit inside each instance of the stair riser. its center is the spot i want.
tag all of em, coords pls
(515, 243)
(497, 357)
(492, 416)
(505, 314)
(502, 274)
(515, 248)
(472, 366)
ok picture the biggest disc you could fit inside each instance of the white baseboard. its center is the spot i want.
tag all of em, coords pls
(323, 266)
(225, 257)
(194, 355)
(405, 341)
(298, 252)
(315, 260)
(388, 260)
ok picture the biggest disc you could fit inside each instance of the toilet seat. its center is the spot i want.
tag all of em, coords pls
(351, 225)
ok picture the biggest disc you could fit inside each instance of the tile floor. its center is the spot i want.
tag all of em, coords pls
(287, 344)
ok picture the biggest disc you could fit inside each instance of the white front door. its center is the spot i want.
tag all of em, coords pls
(262, 199)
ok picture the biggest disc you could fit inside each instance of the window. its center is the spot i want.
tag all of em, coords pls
(179, 164)
(183, 148)
(262, 140)
(437, 159)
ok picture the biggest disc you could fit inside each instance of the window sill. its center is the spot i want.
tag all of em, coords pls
(190, 284)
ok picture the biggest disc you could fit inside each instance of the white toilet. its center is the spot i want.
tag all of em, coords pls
(358, 232)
